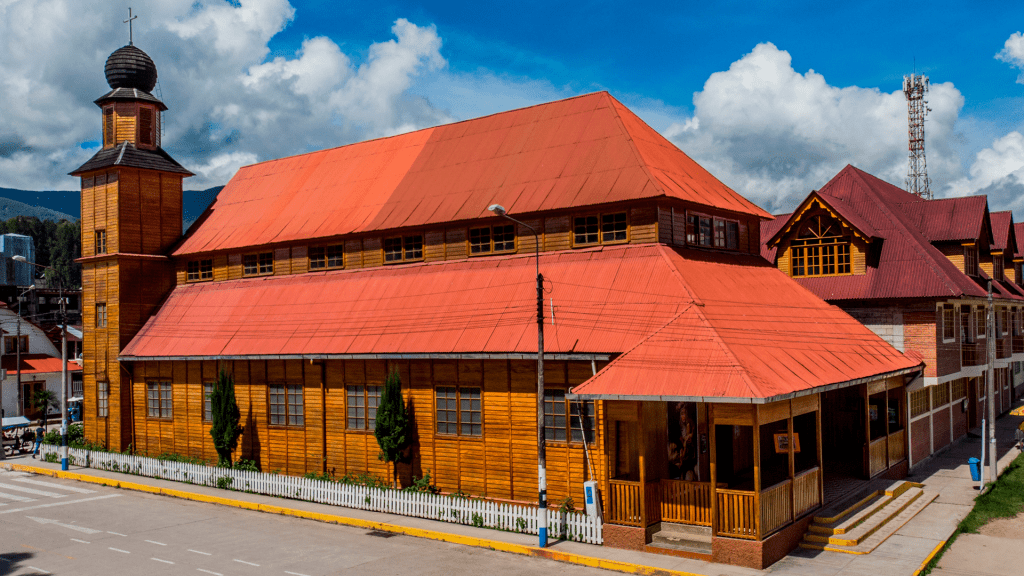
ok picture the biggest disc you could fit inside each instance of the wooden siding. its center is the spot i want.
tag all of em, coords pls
(647, 223)
(501, 463)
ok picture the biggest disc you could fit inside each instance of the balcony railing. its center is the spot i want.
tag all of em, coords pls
(972, 354)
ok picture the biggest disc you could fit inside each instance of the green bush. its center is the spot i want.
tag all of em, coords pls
(246, 465)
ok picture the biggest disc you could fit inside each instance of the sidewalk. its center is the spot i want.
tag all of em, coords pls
(902, 554)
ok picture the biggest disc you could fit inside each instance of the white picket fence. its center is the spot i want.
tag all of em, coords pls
(566, 525)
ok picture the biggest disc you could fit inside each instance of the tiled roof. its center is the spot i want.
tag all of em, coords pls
(691, 323)
(908, 265)
(126, 154)
(582, 151)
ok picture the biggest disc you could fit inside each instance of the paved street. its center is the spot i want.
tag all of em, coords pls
(53, 526)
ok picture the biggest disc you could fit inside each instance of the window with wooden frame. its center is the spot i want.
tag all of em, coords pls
(971, 260)
(820, 249)
(966, 335)
(207, 401)
(492, 239)
(459, 410)
(146, 126)
(403, 249)
(1004, 324)
(361, 405)
(286, 408)
(980, 327)
(261, 264)
(102, 399)
(108, 126)
(581, 420)
(321, 257)
(940, 396)
(101, 315)
(919, 402)
(199, 270)
(704, 230)
(948, 324)
(159, 400)
(997, 267)
(611, 228)
(959, 388)
(101, 242)
(10, 341)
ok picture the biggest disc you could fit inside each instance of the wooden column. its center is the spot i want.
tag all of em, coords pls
(821, 461)
(323, 414)
(642, 461)
(867, 433)
(792, 463)
(757, 475)
(713, 448)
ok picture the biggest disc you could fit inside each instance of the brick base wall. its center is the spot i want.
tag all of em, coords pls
(626, 537)
(959, 420)
(760, 555)
(920, 434)
(940, 428)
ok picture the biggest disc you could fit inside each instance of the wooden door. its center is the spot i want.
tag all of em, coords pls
(28, 392)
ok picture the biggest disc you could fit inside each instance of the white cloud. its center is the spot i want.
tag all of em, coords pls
(229, 105)
(774, 134)
(997, 172)
(1013, 53)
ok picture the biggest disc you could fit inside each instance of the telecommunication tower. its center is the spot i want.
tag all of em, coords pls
(914, 87)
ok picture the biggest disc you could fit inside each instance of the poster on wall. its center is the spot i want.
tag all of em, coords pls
(682, 441)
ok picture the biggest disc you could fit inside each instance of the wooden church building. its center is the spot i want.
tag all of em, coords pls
(675, 355)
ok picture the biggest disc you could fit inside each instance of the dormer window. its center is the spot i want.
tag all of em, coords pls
(820, 249)
(997, 267)
(971, 260)
(702, 230)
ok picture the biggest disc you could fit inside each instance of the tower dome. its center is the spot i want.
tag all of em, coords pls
(130, 67)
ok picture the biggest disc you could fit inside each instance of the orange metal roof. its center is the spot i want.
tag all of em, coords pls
(581, 151)
(37, 364)
(690, 323)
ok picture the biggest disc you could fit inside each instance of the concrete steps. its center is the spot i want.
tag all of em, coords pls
(860, 523)
(683, 537)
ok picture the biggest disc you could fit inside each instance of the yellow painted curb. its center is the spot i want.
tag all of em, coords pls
(548, 553)
(929, 558)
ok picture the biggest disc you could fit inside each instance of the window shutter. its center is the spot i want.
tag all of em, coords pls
(108, 126)
(146, 126)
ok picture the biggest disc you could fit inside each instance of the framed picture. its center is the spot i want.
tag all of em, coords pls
(782, 442)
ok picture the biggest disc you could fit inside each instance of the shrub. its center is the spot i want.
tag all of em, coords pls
(225, 429)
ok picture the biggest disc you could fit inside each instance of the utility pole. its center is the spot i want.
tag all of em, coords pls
(542, 465)
(990, 392)
(63, 381)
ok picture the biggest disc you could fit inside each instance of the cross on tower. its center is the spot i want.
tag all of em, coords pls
(129, 23)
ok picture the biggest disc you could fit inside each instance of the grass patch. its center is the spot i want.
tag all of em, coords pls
(1005, 499)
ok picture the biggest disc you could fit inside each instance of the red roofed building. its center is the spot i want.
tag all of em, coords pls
(915, 272)
(678, 362)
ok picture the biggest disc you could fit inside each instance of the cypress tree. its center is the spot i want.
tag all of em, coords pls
(392, 426)
(225, 415)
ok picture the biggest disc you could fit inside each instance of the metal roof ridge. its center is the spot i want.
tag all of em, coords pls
(632, 145)
(913, 233)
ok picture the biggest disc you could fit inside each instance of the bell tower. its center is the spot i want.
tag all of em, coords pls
(131, 216)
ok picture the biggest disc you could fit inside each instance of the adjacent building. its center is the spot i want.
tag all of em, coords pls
(17, 273)
(916, 272)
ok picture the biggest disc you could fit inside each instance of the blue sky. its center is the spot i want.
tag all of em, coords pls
(773, 98)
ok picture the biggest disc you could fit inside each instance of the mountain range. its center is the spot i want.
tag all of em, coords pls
(66, 205)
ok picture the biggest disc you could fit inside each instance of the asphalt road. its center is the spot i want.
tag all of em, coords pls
(53, 526)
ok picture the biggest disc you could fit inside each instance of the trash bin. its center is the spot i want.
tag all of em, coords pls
(975, 465)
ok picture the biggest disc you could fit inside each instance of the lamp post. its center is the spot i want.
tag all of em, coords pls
(63, 362)
(542, 480)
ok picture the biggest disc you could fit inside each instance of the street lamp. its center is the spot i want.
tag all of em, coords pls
(542, 480)
(63, 362)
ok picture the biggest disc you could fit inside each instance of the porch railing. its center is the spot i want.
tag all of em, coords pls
(686, 502)
(806, 491)
(877, 458)
(897, 450)
(737, 516)
(776, 506)
(624, 503)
